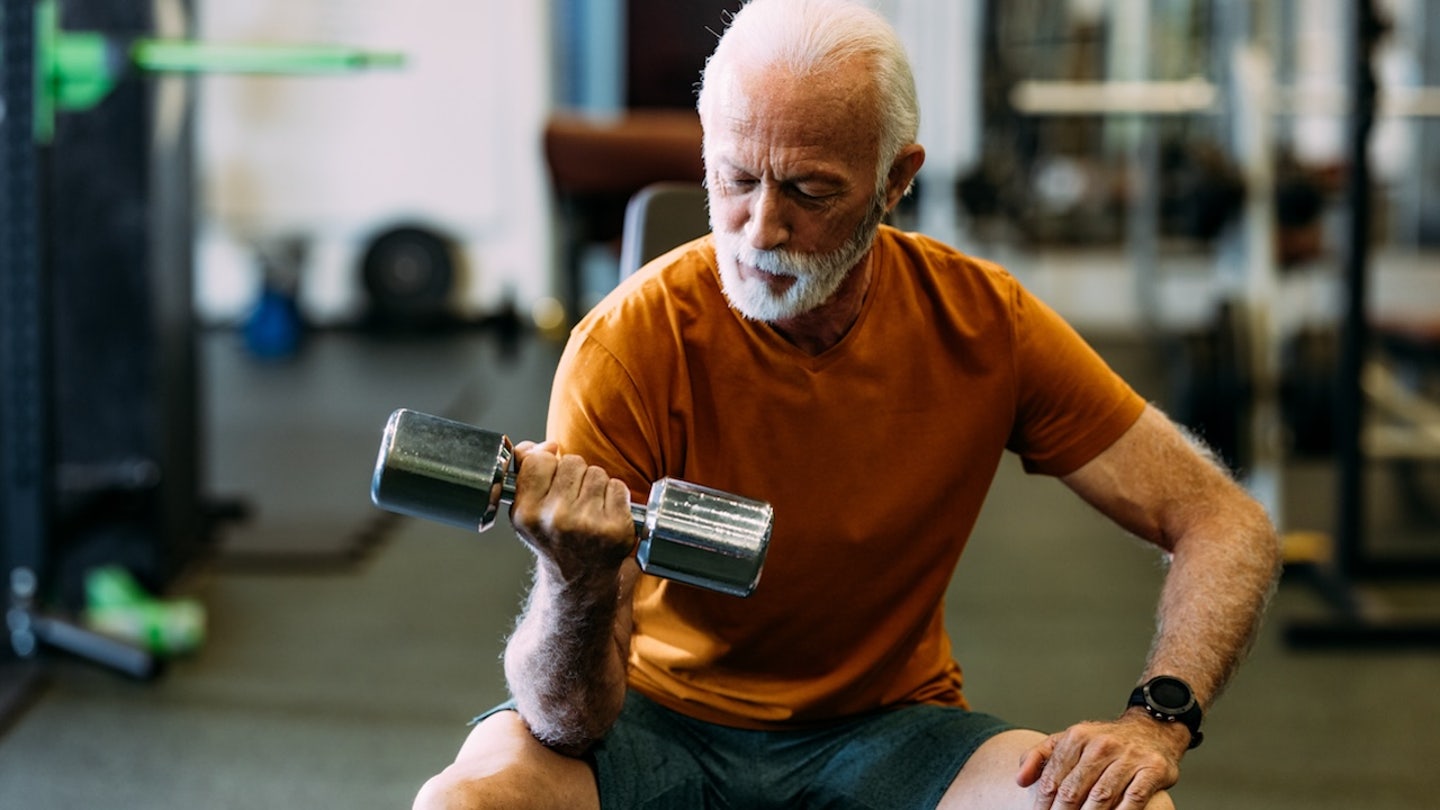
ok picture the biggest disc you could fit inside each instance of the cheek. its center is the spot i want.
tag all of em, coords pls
(726, 213)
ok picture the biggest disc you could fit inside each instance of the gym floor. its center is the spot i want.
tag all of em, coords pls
(346, 650)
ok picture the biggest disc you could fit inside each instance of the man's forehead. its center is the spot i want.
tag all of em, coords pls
(847, 84)
(821, 112)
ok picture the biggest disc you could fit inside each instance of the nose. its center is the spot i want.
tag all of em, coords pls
(768, 225)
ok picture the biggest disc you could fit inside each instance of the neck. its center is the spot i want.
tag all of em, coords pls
(822, 327)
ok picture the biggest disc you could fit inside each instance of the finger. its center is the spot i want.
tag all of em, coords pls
(595, 488)
(617, 497)
(569, 475)
(1032, 764)
(1142, 788)
(1085, 778)
(1064, 756)
(535, 472)
(529, 448)
(608, 501)
(1110, 789)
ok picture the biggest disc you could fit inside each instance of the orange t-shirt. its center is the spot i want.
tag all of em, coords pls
(875, 454)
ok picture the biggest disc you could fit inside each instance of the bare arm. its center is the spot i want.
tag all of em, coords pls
(1225, 556)
(1224, 562)
(565, 662)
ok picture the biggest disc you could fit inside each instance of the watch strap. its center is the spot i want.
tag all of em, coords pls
(1189, 715)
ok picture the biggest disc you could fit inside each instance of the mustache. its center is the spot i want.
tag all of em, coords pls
(775, 261)
(785, 262)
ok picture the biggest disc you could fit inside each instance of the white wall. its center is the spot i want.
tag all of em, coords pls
(452, 139)
(943, 38)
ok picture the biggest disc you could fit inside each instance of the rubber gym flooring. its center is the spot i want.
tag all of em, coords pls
(346, 650)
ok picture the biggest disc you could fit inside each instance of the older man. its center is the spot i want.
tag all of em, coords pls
(867, 383)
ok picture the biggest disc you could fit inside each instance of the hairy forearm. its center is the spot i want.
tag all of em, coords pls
(565, 662)
(1222, 573)
(1224, 561)
(1164, 486)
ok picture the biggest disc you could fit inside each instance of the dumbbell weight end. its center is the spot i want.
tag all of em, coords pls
(448, 472)
(709, 535)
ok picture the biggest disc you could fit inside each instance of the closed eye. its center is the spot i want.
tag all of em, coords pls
(734, 185)
(811, 195)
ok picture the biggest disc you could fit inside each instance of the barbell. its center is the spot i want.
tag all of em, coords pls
(459, 474)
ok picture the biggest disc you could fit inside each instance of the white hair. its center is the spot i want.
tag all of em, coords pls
(809, 37)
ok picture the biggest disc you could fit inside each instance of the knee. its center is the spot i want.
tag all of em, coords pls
(502, 766)
(449, 790)
(458, 789)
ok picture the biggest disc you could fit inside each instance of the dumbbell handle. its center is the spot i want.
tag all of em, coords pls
(507, 496)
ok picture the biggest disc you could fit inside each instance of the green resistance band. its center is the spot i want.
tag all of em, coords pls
(180, 56)
(75, 70)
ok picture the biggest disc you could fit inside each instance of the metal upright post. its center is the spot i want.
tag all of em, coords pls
(1355, 625)
(1350, 401)
(25, 482)
(25, 485)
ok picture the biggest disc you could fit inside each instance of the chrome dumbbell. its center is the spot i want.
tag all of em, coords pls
(459, 474)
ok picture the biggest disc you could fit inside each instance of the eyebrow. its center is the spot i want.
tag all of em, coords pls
(822, 176)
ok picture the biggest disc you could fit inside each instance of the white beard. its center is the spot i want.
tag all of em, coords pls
(817, 276)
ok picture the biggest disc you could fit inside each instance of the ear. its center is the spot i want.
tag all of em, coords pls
(902, 173)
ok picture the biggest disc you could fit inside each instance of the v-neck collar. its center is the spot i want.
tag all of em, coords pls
(762, 332)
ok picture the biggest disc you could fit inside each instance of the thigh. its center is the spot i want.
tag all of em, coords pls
(651, 760)
(502, 765)
(987, 782)
(906, 757)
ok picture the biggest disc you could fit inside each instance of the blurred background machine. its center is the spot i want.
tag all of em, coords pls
(1253, 184)
(101, 450)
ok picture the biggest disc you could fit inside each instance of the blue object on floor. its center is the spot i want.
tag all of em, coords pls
(274, 328)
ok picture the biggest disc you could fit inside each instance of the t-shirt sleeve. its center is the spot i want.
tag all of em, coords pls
(1071, 405)
(597, 411)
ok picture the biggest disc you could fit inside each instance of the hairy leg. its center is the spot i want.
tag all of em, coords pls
(501, 765)
(987, 782)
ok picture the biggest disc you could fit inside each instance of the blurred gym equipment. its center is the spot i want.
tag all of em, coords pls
(410, 275)
(99, 423)
(1263, 394)
(660, 217)
(1356, 621)
(598, 164)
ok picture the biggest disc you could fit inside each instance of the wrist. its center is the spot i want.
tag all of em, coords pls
(1169, 701)
(583, 592)
(1176, 736)
(573, 574)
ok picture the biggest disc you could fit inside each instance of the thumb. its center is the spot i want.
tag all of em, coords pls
(1032, 764)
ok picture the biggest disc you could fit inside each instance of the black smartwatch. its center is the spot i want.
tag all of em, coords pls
(1170, 700)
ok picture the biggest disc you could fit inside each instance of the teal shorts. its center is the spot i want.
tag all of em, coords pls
(657, 759)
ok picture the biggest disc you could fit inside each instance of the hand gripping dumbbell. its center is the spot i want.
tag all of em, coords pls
(459, 474)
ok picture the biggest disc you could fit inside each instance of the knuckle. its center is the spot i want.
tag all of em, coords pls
(1157, 778)
(1047, 787)
(1154, 767)
(1081, 736)
(1070, 794)
(1138, 795)
(565, 521)
(1102, 794)
(523, 520)
(1105, 745)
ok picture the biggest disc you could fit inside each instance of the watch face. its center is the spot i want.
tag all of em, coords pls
(1169, 693)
